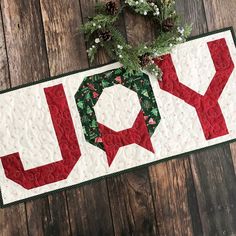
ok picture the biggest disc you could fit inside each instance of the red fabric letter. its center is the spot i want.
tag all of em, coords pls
(114, 140)
(67, 141)
(207, 106)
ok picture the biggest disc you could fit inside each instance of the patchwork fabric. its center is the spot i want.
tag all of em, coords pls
(93, 86)
(89, 124)
(88, 95)
(207, 106)
(67, 140)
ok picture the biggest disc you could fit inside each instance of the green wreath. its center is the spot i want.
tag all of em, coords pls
(93, 86)
(101, 32)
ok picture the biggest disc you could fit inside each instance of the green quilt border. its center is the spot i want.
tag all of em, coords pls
(182, 155)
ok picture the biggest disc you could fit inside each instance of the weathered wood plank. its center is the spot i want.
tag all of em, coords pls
(172, 182)
(60, 220)
(215, 183)
(24, 41)
(48, 216)
(38, 216)
(88, 212)
(233, 154)
(175, 198)
(88, 10)
(4, 70)
(213, 169)
(13, 221)
(138, 28)
(132, 204)
(65, 43)
(27, 62)
(66, 52)
(192, 12)
(220, 14)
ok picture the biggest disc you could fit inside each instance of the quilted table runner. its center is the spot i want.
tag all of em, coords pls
(68, 130)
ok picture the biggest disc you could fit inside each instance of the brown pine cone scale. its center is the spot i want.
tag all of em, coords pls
(105, 35)
(168, 24)
(145, 60)
(111, 8)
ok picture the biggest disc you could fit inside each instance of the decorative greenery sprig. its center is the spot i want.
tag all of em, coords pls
(101, 32)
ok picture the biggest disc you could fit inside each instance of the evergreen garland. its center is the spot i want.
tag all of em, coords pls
(101, 32)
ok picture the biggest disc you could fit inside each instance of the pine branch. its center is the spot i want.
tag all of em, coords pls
(101, 32)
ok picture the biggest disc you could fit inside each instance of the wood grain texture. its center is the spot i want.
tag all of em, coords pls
(207, 179)
(138, 28)
(213, 175)
(192, 12)
(233, 153)
(172, 182)
(24, 35)
(65, 41)
(132, 204)
(28, 62)
(220, 13)
(88, 10)
(215, 183)
(66, 52)
(175, 198)
(13, 221)
(4, 70)
(38, 216)
(60, 221)
(89, 212)
(24, 41)
(48, 216)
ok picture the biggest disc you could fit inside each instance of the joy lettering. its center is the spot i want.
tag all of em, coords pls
(207, 108)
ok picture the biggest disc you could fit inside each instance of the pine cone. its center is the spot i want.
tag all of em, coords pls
(105, 35)
(111, 8)
(145, 60)
(168, 24)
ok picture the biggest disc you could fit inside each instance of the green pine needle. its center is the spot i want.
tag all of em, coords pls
(117, 48)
